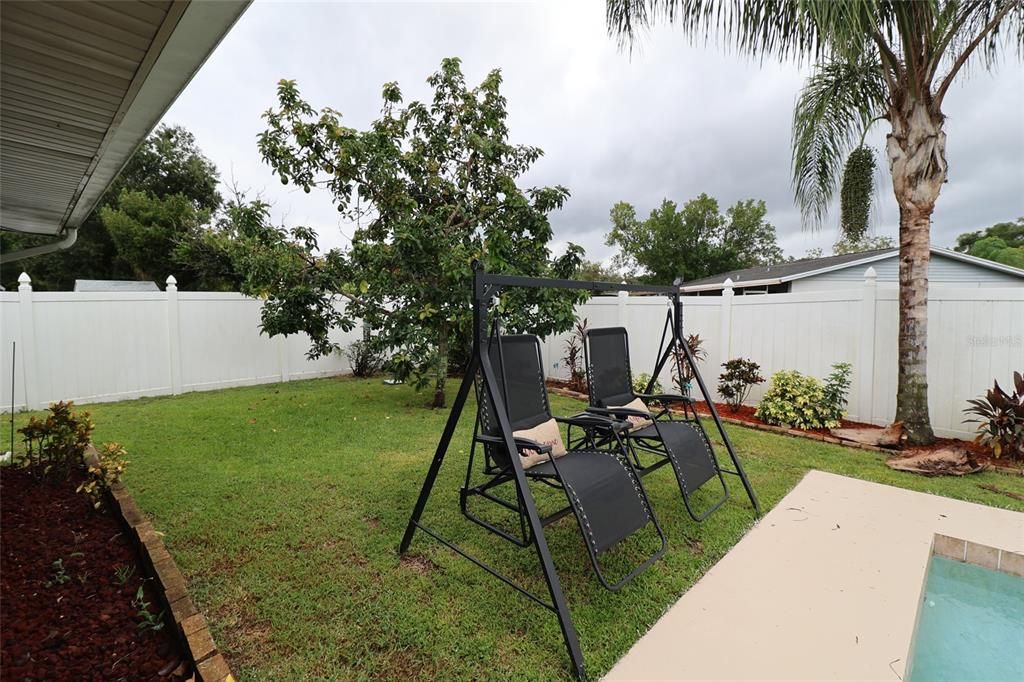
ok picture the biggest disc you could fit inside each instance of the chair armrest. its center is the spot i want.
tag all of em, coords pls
(521, 443)
(664, 397)
(617, 411)
(595, 421)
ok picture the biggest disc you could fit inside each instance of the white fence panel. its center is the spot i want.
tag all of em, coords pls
(220, 336)
(10, 334)
(93, 347)
(97, 346)
(973, 338)
(808, 332)
(110, 346)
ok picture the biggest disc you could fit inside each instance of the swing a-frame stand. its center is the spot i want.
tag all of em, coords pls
(481, 368)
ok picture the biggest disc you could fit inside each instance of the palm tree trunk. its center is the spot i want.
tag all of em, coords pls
(917, 158)
(912, 385)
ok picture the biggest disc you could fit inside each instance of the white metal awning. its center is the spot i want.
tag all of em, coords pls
(81, 85)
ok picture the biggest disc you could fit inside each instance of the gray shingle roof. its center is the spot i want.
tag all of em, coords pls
(786, 270)
(114, 285)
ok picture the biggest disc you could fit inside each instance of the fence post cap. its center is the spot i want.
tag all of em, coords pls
(727, 283)
(171, 281)
(23, 278)
(871, 274)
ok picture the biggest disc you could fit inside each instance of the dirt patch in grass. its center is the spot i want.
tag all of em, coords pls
(247, 637)
(695, 545)
(418, 563)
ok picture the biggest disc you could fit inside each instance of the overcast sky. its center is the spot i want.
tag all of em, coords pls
(669, 121)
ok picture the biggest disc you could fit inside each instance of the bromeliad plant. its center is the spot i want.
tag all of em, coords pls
(735, 382)
(1000, 419)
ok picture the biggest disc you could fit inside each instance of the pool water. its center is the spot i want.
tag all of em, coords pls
(970, 626)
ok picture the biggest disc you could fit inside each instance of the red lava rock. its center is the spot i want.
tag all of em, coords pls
(85, 628)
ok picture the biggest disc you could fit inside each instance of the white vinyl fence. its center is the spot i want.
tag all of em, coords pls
(975, 335)
(92, 347)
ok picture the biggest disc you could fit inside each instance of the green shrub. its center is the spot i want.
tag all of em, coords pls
(837, 388)
(803, 402)
(363, 358)
(54, 446)
(640, 382)
(735, 382)
(104, 472)
(1001, 419)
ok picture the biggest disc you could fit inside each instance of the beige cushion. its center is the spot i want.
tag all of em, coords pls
(546, 433)
(637, 421)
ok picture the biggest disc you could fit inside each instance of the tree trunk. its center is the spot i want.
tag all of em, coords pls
(916, 149)
(441, 369)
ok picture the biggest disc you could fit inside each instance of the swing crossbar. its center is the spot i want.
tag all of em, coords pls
(503, 281)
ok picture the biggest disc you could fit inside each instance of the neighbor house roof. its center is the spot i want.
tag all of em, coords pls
(81, 85)
(114, 285)
(809, 267)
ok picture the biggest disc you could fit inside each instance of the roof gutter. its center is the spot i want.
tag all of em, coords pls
(735, 285)
(69, 239)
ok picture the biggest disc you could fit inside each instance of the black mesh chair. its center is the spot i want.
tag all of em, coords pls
(602, 488)
(681, 443)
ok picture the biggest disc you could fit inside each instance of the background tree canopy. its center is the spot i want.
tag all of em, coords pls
(847, 245)
(433, 185)
(693, 242)
(1002, 243)
(164, 196)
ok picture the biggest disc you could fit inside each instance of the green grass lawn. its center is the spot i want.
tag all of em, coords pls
(284, 504)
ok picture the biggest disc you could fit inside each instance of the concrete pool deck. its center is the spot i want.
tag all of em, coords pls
(825, 586)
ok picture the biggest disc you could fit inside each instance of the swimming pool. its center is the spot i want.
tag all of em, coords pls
(970, 625)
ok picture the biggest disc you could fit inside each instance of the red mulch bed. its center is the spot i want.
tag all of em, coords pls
(86, 628)
(745, 413)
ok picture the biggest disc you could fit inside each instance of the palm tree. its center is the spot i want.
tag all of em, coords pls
(874, 60)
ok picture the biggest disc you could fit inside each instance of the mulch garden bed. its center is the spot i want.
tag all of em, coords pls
(745, 415)
(74, 620)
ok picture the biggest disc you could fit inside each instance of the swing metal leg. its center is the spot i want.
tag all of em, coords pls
(677, 306)
(442, 448)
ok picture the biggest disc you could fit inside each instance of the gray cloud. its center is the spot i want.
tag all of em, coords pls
(671, 121)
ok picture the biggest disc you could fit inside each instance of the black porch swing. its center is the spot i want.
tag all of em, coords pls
(599, 471)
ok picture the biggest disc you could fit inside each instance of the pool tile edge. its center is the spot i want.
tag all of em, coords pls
(966, 551)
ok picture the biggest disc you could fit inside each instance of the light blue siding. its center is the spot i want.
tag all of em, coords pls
(942, 271)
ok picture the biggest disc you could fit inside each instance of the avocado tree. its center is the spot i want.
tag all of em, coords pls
(432, 186)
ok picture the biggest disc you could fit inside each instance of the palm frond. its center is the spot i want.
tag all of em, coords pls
(838, 103)
(798, 29)
(975, 32)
